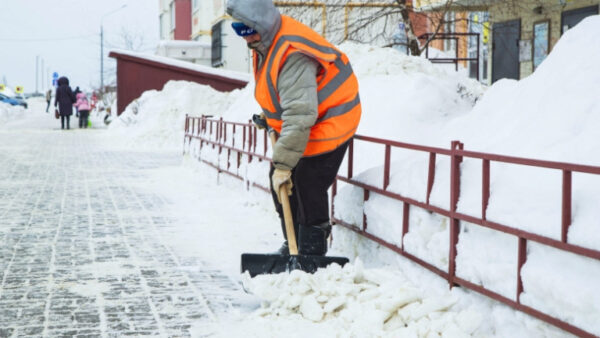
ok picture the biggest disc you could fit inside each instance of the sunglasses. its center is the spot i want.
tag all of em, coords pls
(241, 29)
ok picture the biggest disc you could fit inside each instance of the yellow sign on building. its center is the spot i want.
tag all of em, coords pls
(486, 32)
(19, 89)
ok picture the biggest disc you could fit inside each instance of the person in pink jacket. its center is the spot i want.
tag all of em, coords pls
(83, 106)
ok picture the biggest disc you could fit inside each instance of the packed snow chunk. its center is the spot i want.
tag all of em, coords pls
(311, 309)
(357, 300)
(157, 118)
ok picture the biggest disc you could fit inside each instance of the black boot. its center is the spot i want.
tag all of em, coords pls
(312, 240)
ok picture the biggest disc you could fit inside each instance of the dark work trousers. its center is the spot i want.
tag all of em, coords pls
(83, 118)
(312, 177)
(64, 118)
(47, 106)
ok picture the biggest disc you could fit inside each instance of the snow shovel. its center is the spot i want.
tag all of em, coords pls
(257, 264)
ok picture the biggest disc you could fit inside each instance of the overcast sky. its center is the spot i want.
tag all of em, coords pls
(66, 35)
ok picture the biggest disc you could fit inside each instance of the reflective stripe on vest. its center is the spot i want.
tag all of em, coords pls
(337, 88)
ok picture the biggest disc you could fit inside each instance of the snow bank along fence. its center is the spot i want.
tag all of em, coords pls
(252, 145)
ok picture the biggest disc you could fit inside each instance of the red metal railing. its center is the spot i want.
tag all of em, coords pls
(224, 136)
(214, 133)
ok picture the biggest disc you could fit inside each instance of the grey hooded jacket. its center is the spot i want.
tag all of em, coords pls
(296, 86)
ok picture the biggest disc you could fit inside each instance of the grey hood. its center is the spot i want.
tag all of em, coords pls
(261, 15)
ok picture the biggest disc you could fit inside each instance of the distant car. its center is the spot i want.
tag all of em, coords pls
(9, 100)
(13, 101)
(21, 101)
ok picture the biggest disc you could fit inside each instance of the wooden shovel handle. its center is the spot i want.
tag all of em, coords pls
(287, 211)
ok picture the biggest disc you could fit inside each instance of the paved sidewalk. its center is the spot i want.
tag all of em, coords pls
(80, 246)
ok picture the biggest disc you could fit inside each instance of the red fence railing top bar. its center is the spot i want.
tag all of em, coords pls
(588, 169)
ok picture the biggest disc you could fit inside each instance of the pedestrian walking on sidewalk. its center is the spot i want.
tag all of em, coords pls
(309, 96)
(76, 92)
(83, 106)
(48, 99)
(64, 99)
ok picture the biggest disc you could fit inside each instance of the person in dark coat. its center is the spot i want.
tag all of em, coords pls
(64, 99)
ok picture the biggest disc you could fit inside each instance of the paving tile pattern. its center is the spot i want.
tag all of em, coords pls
(80, 247)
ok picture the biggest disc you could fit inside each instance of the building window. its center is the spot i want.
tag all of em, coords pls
(161, 25)
(172, 14)
(541, 39)
(217, 45)
(449, 27)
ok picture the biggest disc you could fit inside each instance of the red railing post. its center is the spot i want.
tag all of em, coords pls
(333, 193)
(220, 138)
(224, 131)
(386, 166)
(522, 257)
(405, 220)
(350, 157)
(244, 137)
(255, 138)
(250, 138)
(430, 175)
(233, 136)
(454, 222)
(186, 132)
(210, 132)
(566, 204)
(485, 188)
(365, 199)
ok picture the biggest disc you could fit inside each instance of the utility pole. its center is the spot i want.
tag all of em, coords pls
(102, 46)
(37, 61)
(42, 76)
(101, 58)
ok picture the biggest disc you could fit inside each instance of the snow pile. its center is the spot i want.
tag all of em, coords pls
(361, 303)
(407, 98)
(157, 118)
(548, 114)
(427, 95)
(9, 113)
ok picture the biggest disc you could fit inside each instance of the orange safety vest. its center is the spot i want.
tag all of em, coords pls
(337, 88)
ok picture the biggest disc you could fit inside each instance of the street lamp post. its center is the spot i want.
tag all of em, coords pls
(37, 62)
(102, 45)
(42, 76)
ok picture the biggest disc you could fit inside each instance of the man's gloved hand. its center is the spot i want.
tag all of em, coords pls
(282, 177)
(259, 121)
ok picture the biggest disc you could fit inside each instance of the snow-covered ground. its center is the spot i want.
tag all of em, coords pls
(553, 114)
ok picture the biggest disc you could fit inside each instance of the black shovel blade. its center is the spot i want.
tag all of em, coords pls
(260, 264)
